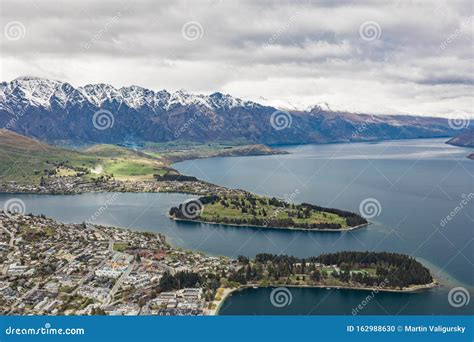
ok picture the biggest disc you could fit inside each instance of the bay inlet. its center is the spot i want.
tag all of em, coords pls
(416, 182)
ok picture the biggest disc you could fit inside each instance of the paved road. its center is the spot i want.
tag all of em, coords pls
(20, 300)
(111, 241)
(117, 284)
(11, 243)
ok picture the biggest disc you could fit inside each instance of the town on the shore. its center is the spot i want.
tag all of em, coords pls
(72, 185)
(53, 268)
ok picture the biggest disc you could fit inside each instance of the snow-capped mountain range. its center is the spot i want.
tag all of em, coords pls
(58, 112)
(43, 93)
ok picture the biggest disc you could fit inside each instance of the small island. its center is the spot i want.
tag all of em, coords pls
(258, 211)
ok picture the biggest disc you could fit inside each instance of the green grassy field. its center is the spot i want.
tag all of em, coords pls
(176, 151)
(25, 161)
(121, 246)
(262, 211)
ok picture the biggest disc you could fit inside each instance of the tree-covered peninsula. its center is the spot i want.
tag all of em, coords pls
(389, 271)
(253, 210)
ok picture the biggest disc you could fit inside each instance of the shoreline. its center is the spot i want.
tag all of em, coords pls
(226, 294)
(100, 191)
(149, 186)
(412, 289)
(229, 291)
(339, 230)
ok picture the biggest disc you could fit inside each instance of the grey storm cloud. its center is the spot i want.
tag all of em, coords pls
(375, 56)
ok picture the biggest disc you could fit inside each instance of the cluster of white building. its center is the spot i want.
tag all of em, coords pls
(189, 298)
(114, 267)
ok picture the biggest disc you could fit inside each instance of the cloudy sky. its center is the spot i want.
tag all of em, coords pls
(377, 56)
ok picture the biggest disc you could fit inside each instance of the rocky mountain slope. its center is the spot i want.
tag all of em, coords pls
(58, 112)
(465, 139)
(25, 160)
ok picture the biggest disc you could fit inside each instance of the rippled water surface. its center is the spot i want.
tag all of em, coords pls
(416, 184)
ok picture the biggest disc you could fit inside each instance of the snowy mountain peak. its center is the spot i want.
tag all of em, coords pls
(100, 93)
(321, 107)
(136, 96)
(45, 93)
(34, 90)
(227, 101)
(60, 112)
(183, 98)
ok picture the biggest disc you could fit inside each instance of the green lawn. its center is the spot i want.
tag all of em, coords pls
(263, 210)
(124, 168)
(25, 161)
(120, 246)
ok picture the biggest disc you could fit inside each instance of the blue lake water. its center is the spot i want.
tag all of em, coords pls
(415, 183)
(418, 183)
(321, 301)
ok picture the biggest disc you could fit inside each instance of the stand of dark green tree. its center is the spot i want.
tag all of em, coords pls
(264, 219)
(393, 270)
